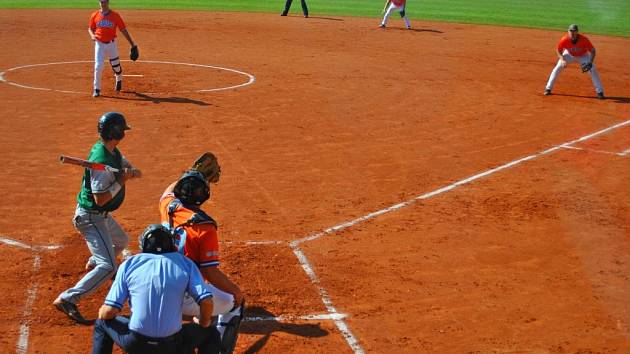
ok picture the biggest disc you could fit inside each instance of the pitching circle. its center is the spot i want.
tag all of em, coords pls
(250, 78)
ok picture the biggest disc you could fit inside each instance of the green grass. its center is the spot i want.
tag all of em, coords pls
(594, 16)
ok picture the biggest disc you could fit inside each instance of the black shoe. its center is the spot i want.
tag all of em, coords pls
(547, 92)
(600, 95)
(72, 311)
(96, 93)
(305, 15)
(283, 14)
(118, 85)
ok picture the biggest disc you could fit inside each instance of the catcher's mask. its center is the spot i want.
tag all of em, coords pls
(157, 238)
(112, 126)
(192, 188)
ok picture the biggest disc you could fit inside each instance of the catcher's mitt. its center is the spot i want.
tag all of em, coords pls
(134, 54)
(586, 67)
(208, 165)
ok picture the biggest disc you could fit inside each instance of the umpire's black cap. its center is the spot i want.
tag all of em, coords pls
(573, 28)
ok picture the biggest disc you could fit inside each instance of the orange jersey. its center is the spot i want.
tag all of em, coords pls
(195, 230)
(104, 26)
(577, 49)
(399, 3)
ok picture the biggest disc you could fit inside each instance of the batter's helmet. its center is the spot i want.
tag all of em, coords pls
(192, 188)
(112, 126)
(157, 238)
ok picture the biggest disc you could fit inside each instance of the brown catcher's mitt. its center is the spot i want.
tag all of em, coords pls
(208, 165)
(586, 67)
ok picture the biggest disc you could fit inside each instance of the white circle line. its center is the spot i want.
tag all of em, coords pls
(251, 78)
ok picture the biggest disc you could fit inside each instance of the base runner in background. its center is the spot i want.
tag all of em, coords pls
(398, 5)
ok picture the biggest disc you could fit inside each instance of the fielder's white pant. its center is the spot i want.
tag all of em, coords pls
(571, 59)
(109, 51)
(400, 9)
(223, 302)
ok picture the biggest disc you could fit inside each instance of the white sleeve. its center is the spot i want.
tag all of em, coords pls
(101, 181)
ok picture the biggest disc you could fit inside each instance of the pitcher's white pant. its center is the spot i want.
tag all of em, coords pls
(571, 59)
(109, 51)
(222, 301)
(400, 9)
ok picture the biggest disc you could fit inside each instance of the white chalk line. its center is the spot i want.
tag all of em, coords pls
(626, 152)
(251, 78)
(596, 151)
(290, 318)
(22, 344)
(341, 325)
(19, 244)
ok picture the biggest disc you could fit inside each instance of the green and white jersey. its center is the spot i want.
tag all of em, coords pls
(96, 181)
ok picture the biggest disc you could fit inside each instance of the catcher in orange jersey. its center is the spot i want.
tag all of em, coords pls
(574, 47)
(196, 237)
(399, 5)
(102, 30)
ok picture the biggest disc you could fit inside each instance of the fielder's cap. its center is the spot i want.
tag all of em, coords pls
(573, 27)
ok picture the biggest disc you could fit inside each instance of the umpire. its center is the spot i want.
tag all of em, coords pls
(154, 283)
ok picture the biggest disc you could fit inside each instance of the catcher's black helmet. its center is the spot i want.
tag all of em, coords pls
(157, 238)
(112, 126)
(192, 188)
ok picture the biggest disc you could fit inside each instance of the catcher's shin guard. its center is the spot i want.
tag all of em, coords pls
(228, 327)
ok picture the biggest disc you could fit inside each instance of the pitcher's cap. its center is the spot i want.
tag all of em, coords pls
(573, 27)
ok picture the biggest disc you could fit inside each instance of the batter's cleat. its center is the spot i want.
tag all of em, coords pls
(71, 310)
(382, 26)
(547, 92)
(600, 95)
(118, 86)
(96, 93)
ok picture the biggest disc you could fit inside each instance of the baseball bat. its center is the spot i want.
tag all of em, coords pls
(87, 164)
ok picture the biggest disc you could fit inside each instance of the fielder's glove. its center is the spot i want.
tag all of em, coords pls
(134, 53)
(586, 67)
(208, 165)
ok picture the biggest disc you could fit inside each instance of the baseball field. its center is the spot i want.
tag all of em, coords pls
(382, 190)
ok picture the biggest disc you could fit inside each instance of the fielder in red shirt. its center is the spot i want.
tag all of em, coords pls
(102, 30)
(398, 5)
(575, 48)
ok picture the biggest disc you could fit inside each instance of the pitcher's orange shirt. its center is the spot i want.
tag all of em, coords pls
(399, 3)
(198, 241)
(104, 26)
(577, 49)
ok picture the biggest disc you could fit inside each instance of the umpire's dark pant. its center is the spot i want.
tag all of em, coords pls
(287, 6)
(108, 332)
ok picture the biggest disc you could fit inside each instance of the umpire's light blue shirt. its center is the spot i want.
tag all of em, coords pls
(155, 286)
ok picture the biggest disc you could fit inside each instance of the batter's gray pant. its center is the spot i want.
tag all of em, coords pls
(105, 240)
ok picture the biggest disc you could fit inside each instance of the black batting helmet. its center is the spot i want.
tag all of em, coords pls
(192, 188)
(112, 126)
(157, 238)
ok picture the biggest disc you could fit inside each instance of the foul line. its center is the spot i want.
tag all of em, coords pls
(325, 316)
(22, 344)
(623, 153)
(295, 245)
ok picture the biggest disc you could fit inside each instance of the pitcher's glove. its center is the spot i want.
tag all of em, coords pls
(208, 165)
(586, 67)
(134, 53)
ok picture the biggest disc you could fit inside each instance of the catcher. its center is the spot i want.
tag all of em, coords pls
(575, 48)
(196, 237)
